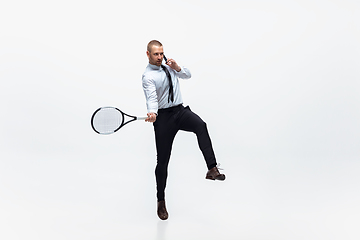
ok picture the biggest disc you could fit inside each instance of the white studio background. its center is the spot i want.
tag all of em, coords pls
(276, 81)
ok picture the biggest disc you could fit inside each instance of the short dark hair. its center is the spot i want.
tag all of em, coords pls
(153, 43)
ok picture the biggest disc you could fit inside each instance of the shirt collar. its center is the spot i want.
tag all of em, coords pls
(154, 67)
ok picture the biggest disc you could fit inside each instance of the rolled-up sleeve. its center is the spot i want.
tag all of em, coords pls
(149, 88)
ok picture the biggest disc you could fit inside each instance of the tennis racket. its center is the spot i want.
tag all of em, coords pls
(107, 120)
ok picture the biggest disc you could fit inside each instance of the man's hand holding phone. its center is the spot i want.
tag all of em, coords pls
(172, 63)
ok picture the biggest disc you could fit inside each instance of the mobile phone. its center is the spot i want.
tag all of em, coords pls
(165, 58)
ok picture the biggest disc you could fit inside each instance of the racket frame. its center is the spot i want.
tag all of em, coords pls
(123, 123)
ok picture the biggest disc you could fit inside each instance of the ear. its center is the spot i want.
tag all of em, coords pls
(148, 53)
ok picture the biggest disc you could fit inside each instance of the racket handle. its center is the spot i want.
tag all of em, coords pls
(141, 118)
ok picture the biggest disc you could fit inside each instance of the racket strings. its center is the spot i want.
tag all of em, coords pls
(107, 120)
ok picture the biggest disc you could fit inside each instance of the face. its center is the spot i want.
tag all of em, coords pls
(156, 55)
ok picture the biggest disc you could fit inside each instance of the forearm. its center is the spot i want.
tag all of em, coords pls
(184, 73)
(150, 95)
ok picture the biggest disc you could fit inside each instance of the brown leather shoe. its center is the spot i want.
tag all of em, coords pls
(214, 173)
(161, 211)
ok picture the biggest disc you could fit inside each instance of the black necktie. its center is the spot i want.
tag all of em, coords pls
(171, 90)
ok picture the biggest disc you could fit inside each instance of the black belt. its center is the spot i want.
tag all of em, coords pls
(171, 109)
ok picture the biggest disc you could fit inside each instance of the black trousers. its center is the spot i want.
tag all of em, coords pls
(168, 122)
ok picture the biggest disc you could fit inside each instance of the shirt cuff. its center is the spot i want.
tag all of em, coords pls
(182, 70)
(153, 111)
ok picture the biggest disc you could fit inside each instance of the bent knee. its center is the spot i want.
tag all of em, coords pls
(201, 126)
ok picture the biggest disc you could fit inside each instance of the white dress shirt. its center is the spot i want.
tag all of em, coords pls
(156, 87)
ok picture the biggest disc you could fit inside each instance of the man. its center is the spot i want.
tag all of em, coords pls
(168, 115)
